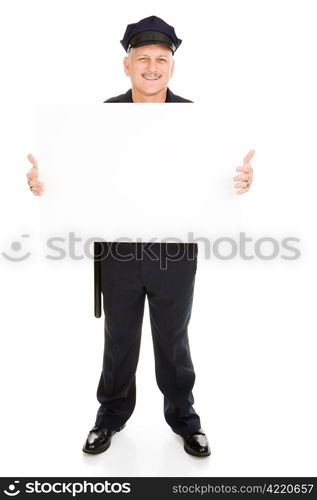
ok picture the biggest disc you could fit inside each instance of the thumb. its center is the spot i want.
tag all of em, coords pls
(32, 160)
(249, 156)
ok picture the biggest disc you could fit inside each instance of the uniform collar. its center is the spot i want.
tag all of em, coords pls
(127, 97)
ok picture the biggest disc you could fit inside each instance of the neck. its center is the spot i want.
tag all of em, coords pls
(139, 97)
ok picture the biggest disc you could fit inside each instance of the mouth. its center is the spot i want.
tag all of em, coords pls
(151, 78)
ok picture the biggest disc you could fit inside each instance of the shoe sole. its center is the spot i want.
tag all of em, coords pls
(195, 453)
(101, 450)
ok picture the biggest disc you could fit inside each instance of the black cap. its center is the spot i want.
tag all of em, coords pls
(148, 31)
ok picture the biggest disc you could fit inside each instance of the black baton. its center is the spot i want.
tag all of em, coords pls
(97, 278)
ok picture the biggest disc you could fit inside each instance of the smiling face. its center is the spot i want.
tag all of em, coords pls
(150, 68)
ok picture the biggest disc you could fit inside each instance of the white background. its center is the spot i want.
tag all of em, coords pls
(253, 326)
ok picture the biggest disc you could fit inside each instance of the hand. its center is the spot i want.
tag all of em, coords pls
(245, 179)
(36, 186)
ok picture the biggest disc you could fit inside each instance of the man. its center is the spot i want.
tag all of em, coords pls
(132, 271)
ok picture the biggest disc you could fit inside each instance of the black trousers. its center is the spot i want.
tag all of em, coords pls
(165, 273)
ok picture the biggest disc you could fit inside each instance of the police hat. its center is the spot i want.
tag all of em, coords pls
(148, 31)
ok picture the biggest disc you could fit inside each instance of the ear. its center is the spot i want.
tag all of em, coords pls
(126, 66)
(172, 70)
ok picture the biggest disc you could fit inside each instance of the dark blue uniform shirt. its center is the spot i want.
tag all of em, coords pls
(127, 97)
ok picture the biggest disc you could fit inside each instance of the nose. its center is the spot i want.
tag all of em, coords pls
(152, 66)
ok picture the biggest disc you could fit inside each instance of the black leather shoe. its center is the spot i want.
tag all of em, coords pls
(99, 439)
(197, 444)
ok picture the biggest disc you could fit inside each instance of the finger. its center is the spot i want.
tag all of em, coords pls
(244, 169)
(33, 178)
(241, 191)
(35, 184)
(32, 160)
(36, 191)
(33, 172)
(241, 177)
(240, 184)
(249, 156)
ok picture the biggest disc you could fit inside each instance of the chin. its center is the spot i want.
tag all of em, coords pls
(153, 90)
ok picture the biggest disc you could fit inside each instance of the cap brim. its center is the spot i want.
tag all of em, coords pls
(152, 42)
(150, 38)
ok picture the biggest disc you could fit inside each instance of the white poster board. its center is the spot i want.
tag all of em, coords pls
(137, 173)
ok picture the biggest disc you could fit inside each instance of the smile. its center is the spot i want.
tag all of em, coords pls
(151, 77)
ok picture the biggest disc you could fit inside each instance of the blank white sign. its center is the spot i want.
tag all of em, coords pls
(145, 172)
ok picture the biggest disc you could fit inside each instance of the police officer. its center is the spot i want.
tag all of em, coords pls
(162, 272)
(150, 44)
